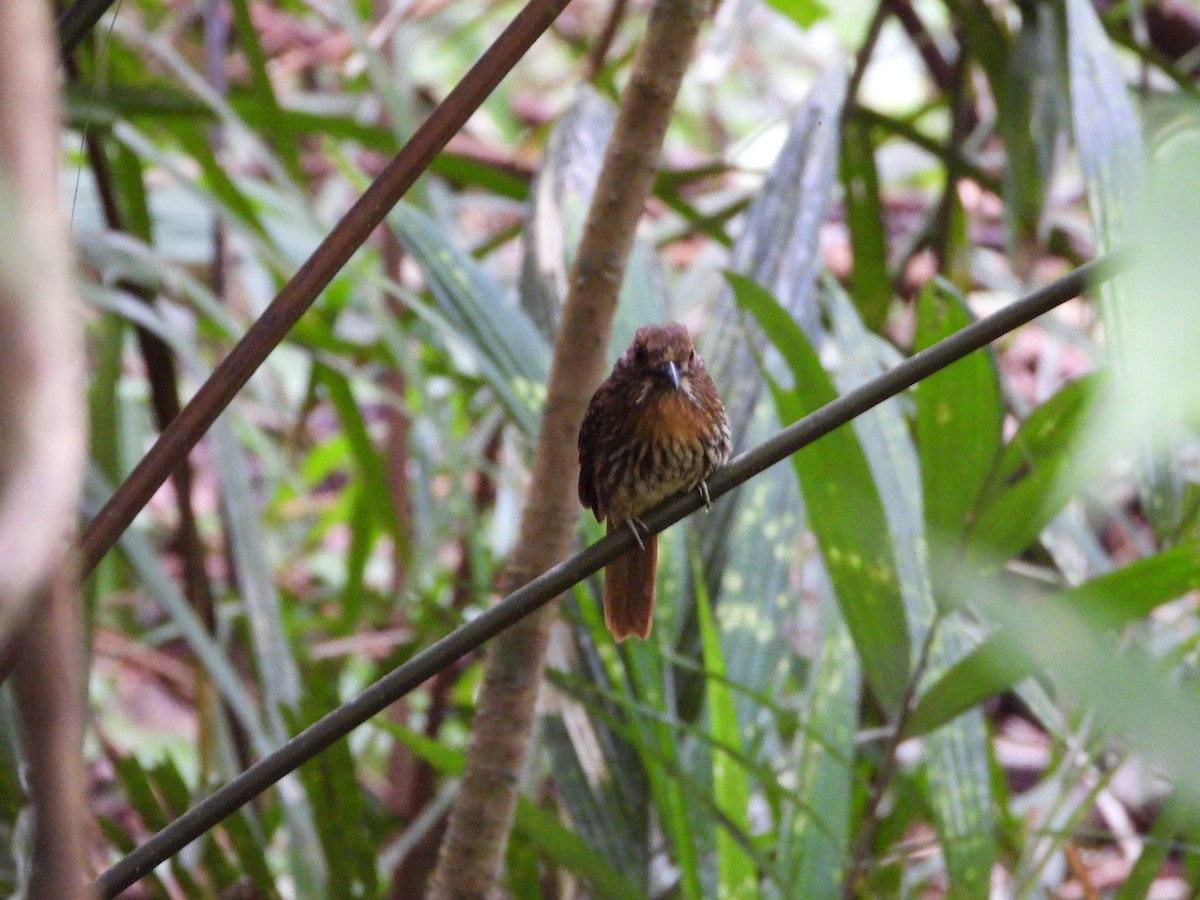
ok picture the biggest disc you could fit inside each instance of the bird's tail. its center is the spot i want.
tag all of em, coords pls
(629, 589)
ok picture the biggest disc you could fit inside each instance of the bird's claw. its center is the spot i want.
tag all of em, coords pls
(703, 488)
(633, 522)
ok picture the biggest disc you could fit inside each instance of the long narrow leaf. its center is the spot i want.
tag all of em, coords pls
(731, 784)
(507, 346)
(844, 508)
(813, 855)
(1109, 601)
(959, 420)
(958, 786)
(1034, 476)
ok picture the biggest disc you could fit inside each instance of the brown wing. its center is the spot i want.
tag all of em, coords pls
(590, 434)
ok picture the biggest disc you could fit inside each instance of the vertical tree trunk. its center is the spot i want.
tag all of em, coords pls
(41, 448)
(480, 822)
(50, 691)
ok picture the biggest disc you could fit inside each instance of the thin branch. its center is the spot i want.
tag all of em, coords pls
(943, 218)
(77, 20)
(966, 166)
(541, 590)
(863, 58)
(939, 69)
(231, 375)
(163, 380)
(599, 51)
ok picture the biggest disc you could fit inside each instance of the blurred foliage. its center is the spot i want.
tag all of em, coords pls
(950, 651)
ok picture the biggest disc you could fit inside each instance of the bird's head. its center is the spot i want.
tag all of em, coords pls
(662, 353)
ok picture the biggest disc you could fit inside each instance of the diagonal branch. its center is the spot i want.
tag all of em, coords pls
(541, 590)
(77, 20)
(231, 375)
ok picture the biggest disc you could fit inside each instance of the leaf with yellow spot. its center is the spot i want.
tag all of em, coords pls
(844, 509)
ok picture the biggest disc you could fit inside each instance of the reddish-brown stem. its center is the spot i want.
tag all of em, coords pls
(939, 69)
(311, 278)
(604, 39)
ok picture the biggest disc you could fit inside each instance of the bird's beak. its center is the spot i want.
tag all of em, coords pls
(670, 372)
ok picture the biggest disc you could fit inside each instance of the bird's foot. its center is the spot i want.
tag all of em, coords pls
(703, 489)
(634, 523)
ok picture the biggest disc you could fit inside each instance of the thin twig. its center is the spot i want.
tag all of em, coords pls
(967, 167)
(939, 69)
(604, 39)
(77, 20)
(863, 58)
(940, 227)
(541, 590)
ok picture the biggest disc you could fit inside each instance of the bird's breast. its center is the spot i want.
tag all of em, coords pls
(668, 449)
(674, 416)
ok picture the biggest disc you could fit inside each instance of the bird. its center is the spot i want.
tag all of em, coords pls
(654, 428)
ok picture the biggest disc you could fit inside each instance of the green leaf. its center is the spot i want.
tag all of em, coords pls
(987, 41)
(960, 416)
(1031, 118)
(870, 283)
(136, 784)
(611, 815)
(513, 357)
(779, 246)
(804, 13)
(521, 875)
(1034, 477)
(367, 459)
(1107, 130)
(135, 207)
(161, 104)
(844, 509)
(561, 845)
(335, 795)
(736, 877)
(1112, 157)
(104, 395)
(272, 125)
(991, 667)
(813, 854)
(561, 195)
(1106, 603)
(684, 762)
(905, 130)
(660, 750)
(250, 853)
(217, 179)
(1129, 695)
(957, 786)
(463, 171)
